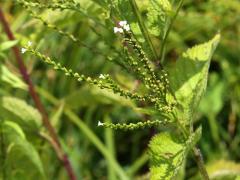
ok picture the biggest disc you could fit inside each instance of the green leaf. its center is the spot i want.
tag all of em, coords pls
(168, 153)
(166, 156)
(21, 160)
(16, 128)
(157, 16)
(102, 3)
(3, 56)
(90, 96)
(222, 170)
(10, 78)
(7, 45)
(214, 95)
(19, 111)
(188, 77)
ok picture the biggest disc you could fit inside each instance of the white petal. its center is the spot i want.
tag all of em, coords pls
(102, 76)
(23, 50)
(120, 30)
(100, 123)
(126, 27)
(115, 29)
(122, 23)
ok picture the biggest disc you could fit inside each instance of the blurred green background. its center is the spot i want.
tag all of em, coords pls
(75, 108)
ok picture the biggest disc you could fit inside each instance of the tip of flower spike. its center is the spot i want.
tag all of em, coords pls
(100, 123)
(23, 50)
(123, 26)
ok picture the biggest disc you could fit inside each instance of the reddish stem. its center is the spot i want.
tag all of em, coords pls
(36, 99)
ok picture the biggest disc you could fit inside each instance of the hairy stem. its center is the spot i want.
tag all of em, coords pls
(199, 159)
(36, 99)
(196, 151)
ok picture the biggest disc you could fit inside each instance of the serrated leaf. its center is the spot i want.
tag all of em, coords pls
(188, 77)
(158, 13)
(168, 153)
(7, 45)
(21, 160)
(20, 112)
(166, 156)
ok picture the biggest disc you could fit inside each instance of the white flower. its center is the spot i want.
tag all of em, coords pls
(100, 123)
(117, 29)
(102, 76)
(23, 50)
(29, 43)
(122, 23)
(126, 27)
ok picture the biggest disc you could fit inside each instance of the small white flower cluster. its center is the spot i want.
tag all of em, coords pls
(101, 76)
(23, 50)
(123, 26)
(100, 123)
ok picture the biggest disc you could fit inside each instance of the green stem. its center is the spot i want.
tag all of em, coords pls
(109, 138)
(138, 164)
(196, 151)
(199, 159)
(162, 51)
(88, 133)
(143, 28)
(94, 139)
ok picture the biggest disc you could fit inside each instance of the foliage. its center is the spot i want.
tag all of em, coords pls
(149, 79)
(18, 155)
